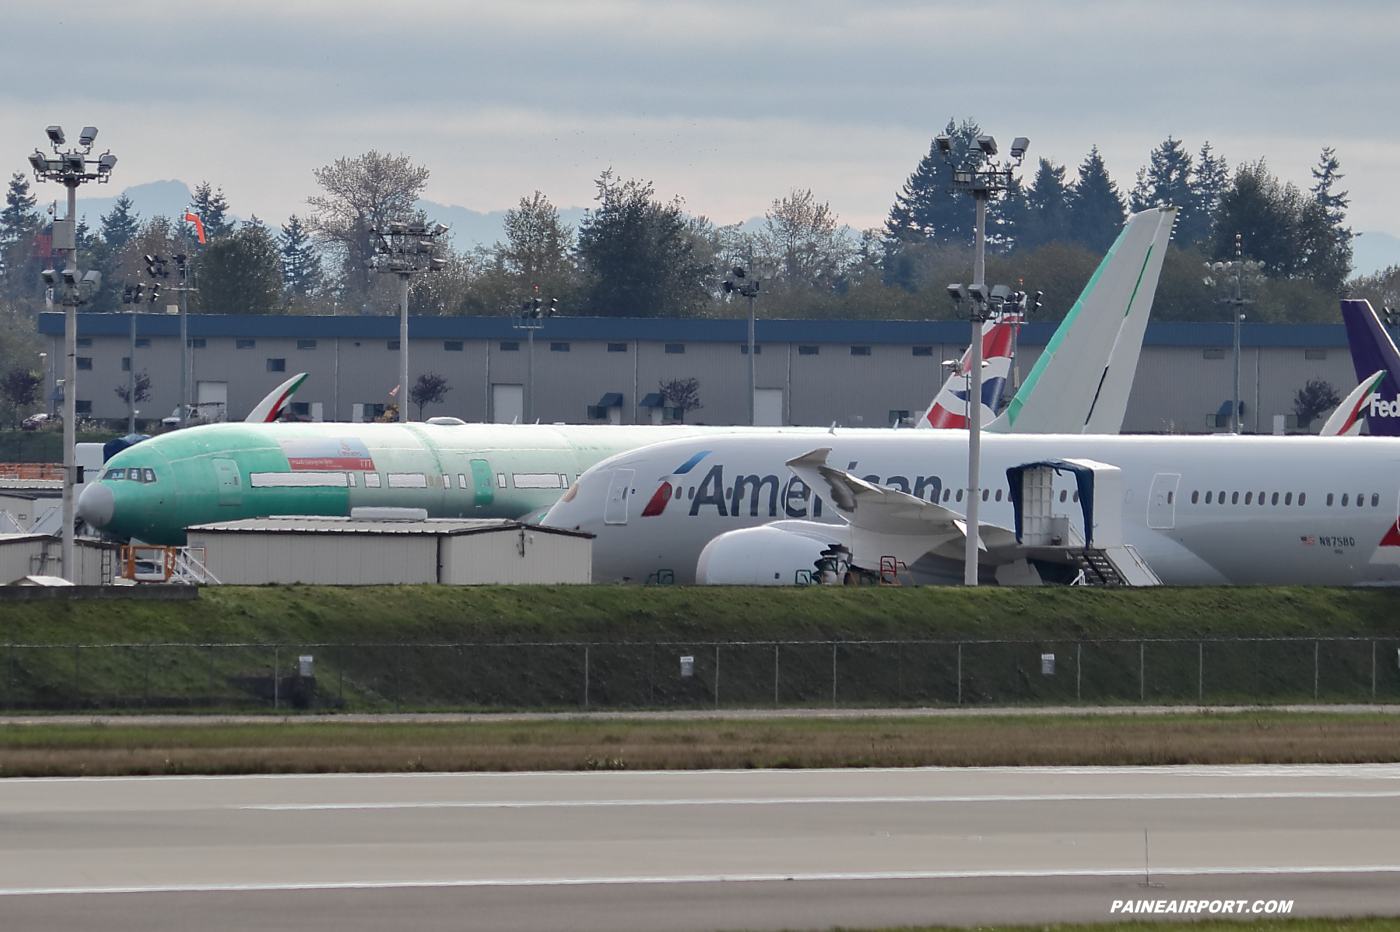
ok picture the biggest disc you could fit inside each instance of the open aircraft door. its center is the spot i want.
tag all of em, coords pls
(1161, 501)
(615, 511)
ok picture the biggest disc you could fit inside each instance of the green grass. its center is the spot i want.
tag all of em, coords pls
(512, 613)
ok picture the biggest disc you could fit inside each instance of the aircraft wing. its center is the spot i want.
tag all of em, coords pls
(1346, 420)
(888, 522)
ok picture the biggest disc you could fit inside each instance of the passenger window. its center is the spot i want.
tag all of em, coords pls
(690, 495)
(1375, 498)
(1170, 496)
(959, 496)
(1360, 499)
(1220, 499)
(1275, 498)
(148, 475)
(446, 480)
(1346, 499)
(1075, 496)
(1288, 499)
(998, 494)
(371, 480)
(1302, 497)
(461, 480)
(1329, 499)
(946, 493)
(1063, 493)
(1195, 497)
(1234, 498)
(1249, 498)
(985, 493)
(1209, 496)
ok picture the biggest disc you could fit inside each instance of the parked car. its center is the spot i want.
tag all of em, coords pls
(34, 421)
(210, 412)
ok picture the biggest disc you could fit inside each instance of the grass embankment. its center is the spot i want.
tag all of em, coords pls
(590, 744)
(390, 614)
(382, 648)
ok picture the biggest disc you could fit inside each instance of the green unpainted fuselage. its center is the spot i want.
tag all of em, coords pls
(224, 472)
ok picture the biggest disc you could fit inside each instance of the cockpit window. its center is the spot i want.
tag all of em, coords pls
(115, 474)
(134, 474)
(131, 474)
(148, 475)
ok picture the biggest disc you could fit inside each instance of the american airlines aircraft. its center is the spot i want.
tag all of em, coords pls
(763, 509)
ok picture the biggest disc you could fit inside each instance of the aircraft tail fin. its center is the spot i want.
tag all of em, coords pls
(948, 410)
(1373, 350)
(1346, 420)
(267, 410)
(1081, 381)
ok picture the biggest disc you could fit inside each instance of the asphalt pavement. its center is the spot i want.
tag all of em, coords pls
(693, 850)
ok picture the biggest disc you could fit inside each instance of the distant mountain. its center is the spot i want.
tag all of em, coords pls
(155, 199)
(1374, 252)
(473, 228)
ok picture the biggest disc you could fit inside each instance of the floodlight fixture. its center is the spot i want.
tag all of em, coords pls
(75, 163)
(1019, 145)
(944, 143)
(93, 278)
(50, 277)
(958, 292)
(70, 277)
(56, 135)
(87, 136)
(106, 163)
(397, 227)
(437, 264)
(39, 161)
(988, 145)
(1001, 294)
(979, 293)
(439, 229)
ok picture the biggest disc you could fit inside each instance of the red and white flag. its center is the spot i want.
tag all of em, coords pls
(198, 227)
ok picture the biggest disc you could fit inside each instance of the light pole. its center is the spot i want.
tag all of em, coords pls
(982, 178)
(531, 310)
(744, 286)
(1237, 268)
(131, 295)
(71, 169)
(405, 249)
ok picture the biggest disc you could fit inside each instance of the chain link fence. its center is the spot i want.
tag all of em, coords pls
(676, 675)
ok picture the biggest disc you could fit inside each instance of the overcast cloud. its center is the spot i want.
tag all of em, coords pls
(726, 104)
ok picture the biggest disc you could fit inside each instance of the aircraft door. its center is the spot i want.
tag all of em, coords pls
(230, 482)
(1161, 501)
(482, 483)
(615, 511)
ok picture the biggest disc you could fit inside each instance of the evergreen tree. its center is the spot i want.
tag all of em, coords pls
(1208, 182)
(1166, 179)
(120, 224)
(1096, 207)
(1266, 214)
(19, 218)
(301, 265)
(925, 208)
(639, 255)
(241, 273)
(1047, 213)
(212, 208)
(1326, 239)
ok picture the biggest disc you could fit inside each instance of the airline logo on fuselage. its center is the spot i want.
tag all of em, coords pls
(757, 495)
(323, 453)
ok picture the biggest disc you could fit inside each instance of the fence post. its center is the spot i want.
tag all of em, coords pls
(833, 674)
(1317, 649)
(716, 676)
(276, 677)
(1079, 671)
(775, 675)
(146, 686)
(1200, 671)
(77, 671)
(1373, 671)
(585, 676)
(959, 673)
(1142, 671)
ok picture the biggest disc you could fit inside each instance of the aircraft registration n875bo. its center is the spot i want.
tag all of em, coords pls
(762, 508)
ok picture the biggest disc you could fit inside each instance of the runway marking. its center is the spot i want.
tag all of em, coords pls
(808, 800)
(695, 878)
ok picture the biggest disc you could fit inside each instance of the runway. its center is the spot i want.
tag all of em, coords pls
(692, 850)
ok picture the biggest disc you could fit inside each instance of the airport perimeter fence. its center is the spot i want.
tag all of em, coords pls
(675, 675)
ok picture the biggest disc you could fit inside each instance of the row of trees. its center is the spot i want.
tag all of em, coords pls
(638, 255)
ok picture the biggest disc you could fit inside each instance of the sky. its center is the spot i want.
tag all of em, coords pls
(728, 105)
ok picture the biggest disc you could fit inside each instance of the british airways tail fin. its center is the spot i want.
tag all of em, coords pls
(1373, 350)
(949, 406)
(1081, 381)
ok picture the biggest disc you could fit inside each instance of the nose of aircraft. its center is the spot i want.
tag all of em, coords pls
(96, 504)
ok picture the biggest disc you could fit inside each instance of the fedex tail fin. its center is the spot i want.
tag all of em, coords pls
(1080, 383)
(949, 407)
(1373, 350)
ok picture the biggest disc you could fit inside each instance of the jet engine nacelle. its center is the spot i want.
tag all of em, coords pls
(774, 554)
